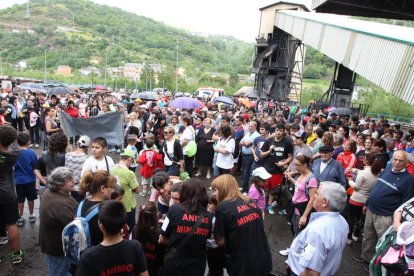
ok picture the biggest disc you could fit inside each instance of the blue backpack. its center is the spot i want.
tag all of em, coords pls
(76, 236)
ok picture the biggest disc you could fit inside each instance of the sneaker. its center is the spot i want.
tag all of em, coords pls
(111, 150)
(349, 242)
(20, 222)
(270, 210)
(245, 194)
(4, 240)
(286, 262)
(282, 212)
(37, 146)
(198, 174)
(31, 146)
(274, 204)
(32, 219)
(354, 238)
(143, 193)
(285, 252)
(208, 176)
(17, 257)
(360, 259)
(118, 151)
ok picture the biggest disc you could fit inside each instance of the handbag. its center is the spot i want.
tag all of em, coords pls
(173, 250)
(191, 147)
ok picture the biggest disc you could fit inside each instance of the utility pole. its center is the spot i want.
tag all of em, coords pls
(28, 8)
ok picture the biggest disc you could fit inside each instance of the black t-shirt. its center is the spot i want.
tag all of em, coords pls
(279, 153)
(154, 252)
(96, 233)
(7, 188)
(241, 226)
(124, 258)
(191, 258)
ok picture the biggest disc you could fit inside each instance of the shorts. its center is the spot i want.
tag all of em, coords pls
(9, 214)
(26, 191)
(274, 181)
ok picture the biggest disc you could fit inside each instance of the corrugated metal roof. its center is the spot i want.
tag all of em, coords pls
(383, 54)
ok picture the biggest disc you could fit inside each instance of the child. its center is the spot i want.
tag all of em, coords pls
(147, 232)
(118, 195)
(132, 140)
(215, 254)
(114, 253)
(99, 161)
(256, 191)
(150, 160)
(175, 191)
(25, 178)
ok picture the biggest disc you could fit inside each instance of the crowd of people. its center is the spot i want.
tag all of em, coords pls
(337, 179)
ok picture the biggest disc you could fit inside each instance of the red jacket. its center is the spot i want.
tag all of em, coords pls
(150, 160)
(73, 112)
(348, 160)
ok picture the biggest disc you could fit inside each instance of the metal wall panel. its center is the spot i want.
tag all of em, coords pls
(312, 33)
(335, 43)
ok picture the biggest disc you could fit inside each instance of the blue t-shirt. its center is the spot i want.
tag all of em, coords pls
(23, 169)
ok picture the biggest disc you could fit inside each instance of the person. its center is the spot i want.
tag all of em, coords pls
(361, 154)
(362, 187)
(190, 257)
(172, 153)
(113, 255)
(328, 169)
(161, 194)
(215, 254)
(403, 213)
(224, 149)
(247, 152)
(100, 185)
(185, 138)
(132, 141)
(258, 143)
(348, 159)
(256, 191)
(99, 161)
(147, 232)
(150, 160)
(56, 211)
(74, 160)
(301, 148)
(51, 125)
(9, 213)
(305, 189)
(205, 150)
(239, 227)
(317, 250)
(128, 181)
(277, 154)
(394, 186)
(55, 155)
(176, 191)
(25, 178)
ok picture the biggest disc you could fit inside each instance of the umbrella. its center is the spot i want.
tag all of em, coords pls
(100, 87)
(342, 111)
(186, 102)
(225, 100)
(32, 86)
(147, 96)
(59, 91)
(178, 94)
(245, 102)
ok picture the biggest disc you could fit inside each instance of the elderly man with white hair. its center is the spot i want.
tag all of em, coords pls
(317, 250)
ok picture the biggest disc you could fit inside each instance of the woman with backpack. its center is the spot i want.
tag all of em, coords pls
(56, 211)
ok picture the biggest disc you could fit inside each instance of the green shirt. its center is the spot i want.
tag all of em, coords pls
(128, 182)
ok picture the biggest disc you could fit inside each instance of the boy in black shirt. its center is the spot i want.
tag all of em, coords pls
(114, 256)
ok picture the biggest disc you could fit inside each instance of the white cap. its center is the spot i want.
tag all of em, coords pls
(84, 141)
(262, 173)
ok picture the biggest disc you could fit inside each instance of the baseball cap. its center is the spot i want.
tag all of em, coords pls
(262, 173)
(129, 153)
(84, 141)
(300, 134)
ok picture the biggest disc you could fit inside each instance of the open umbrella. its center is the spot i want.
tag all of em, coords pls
(186, 102)
(245, 102)
(342, 111)
(146, 96)
(225, 100)
(59, 91)
(33, 86)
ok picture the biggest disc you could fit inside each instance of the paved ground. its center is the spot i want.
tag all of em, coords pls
(275, 226)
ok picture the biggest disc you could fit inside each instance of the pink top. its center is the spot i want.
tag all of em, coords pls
(300, 195)
(257, 196)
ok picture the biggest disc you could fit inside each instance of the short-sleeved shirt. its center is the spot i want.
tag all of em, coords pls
(225, 160)
(24, 167)
(123, 258)
(91, 164)
(128, 181)
(249, 137)
(299, 196)
(258, 196)
(320, 245)
(258, 143)
(281, 152)
(241, 226)
(191, 258)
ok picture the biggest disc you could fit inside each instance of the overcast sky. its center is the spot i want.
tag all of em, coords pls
(239, 18)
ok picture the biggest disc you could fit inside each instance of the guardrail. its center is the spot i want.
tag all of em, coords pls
(399, 119)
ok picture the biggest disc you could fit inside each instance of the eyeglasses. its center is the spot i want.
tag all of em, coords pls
(166, 132)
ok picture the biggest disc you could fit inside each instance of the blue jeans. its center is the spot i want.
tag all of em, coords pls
(57, 266)
(248, 160)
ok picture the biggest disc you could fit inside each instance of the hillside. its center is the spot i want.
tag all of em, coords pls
(78, 32)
